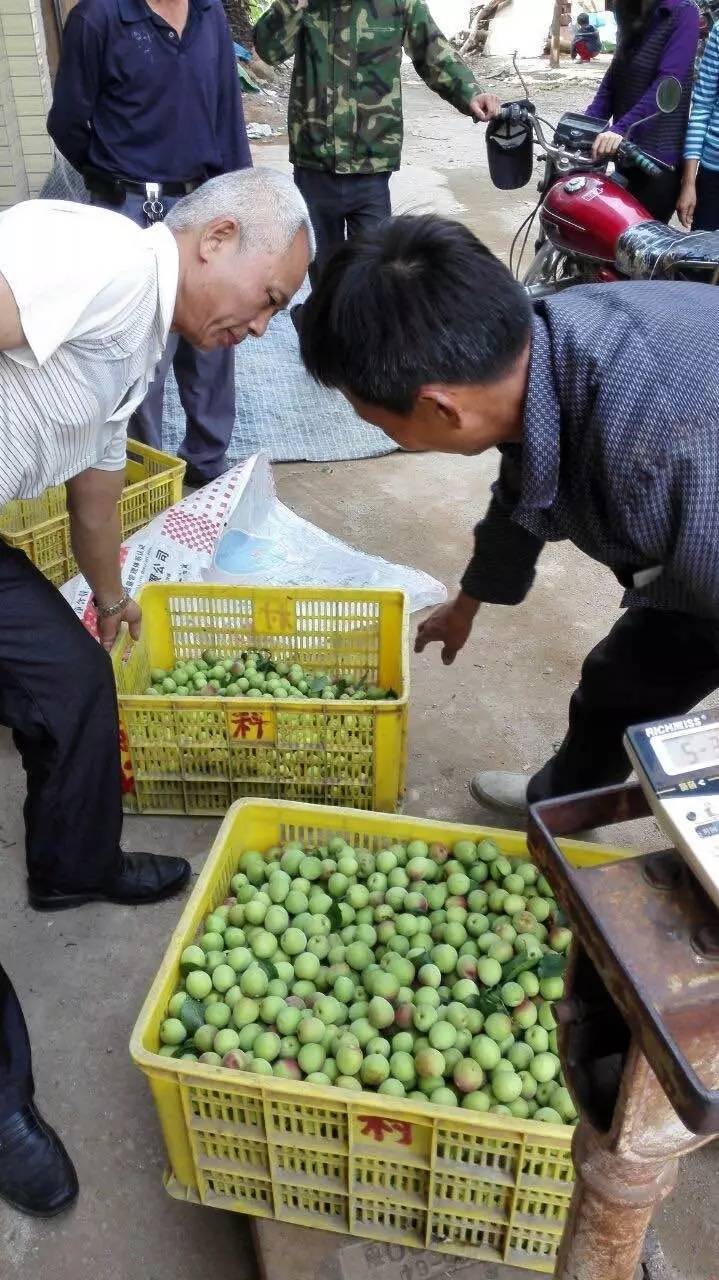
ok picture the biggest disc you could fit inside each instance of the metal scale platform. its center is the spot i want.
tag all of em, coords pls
(639, 1026)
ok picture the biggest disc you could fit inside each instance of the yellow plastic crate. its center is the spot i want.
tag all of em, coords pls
(41, 526)
(197, 755)
(474, 1184)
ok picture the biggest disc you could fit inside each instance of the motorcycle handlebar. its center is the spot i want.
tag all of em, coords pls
(513, 111)
(518, 113)
(629, 154)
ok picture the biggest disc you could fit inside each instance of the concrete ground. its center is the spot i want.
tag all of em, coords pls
(82, 976)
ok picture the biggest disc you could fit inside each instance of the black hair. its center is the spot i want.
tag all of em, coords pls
(413, 301)
(632, 17)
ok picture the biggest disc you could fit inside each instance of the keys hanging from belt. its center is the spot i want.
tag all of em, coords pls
(153, 208)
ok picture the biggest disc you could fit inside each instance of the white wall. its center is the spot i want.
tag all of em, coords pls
(523, 25)
(25, 149)
(451, 16)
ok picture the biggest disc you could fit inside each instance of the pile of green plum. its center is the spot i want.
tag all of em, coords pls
(257, 675)
(415, 971)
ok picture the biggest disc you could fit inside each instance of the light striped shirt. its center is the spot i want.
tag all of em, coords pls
(702, 140)
(95, 295)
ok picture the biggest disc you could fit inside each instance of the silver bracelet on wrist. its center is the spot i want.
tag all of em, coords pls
(111, 610)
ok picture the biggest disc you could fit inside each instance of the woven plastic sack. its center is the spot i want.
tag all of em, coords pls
(237, 530)
(64, 183)
(265, 543)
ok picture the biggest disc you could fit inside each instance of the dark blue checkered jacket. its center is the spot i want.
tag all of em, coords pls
(620, 452)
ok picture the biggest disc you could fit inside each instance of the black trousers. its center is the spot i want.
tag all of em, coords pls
(652, 664)
(16, 1082)
(658, 195)
(57, 694)
(706, 214)
(340, 205)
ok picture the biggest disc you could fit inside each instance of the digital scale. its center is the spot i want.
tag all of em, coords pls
(677, 765)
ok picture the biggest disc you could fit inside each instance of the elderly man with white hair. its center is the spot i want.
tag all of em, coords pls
(87, 302)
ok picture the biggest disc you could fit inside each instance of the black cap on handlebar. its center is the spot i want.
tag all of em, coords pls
(510, 141)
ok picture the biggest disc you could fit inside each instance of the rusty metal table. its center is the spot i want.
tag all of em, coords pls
(639, 1029)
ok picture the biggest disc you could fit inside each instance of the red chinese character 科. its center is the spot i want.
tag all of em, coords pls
(378, 1128)
(244, 721)
(403, 1131)
(375, 1127)
(127, 780)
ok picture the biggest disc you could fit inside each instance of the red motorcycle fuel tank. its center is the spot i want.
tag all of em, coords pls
(586, 214)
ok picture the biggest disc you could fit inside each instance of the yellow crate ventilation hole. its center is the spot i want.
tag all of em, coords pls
(197, 755)
(479, 1185)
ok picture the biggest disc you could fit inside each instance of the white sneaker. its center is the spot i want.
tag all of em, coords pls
(499, 789)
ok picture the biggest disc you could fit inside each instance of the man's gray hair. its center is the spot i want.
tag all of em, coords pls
(266, 204)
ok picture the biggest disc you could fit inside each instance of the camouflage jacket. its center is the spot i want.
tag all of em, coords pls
(345, 111)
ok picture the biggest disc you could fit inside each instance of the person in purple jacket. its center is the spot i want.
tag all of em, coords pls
(656, 39)
(147, 106)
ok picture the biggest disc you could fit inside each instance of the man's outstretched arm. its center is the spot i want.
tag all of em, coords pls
(501, 571)
(441, 67)
(96, 535)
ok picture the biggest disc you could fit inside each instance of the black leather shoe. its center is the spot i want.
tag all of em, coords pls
(36, 1173)
(194, 479)
(143, 877)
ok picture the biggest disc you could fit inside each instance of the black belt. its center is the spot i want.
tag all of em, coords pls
(162, 188)
(113, 189)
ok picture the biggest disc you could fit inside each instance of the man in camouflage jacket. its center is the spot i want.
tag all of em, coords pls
(345, 112)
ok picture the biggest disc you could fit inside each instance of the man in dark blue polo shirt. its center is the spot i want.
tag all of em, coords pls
(147, 106)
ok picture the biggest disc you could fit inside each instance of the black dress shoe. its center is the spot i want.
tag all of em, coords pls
(36, 1173)
(194, 479)
(142, 877)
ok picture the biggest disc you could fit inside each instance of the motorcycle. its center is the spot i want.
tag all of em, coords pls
(592, 229)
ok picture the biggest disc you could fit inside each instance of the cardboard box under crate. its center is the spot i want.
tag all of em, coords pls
(322, 1255)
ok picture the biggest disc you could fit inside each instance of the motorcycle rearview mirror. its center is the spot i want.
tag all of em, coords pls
(669, 95)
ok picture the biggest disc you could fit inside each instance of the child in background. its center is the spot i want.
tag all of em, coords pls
(586, 41)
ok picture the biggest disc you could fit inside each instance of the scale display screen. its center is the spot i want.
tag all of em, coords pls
(677, 764)
(692, 749)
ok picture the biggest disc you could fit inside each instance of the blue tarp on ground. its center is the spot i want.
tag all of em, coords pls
(281, 410)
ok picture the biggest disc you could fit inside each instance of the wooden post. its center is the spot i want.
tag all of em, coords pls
(555, 34)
